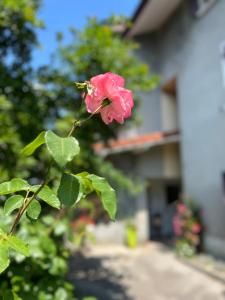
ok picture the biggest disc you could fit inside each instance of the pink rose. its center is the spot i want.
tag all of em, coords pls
(177, 226)
(111, 87)
(181, 208)
(196, 228)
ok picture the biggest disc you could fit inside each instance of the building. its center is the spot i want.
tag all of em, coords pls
(181, 143)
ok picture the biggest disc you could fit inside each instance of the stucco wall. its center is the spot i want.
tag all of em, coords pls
(150, 164)
(189, 48)
(144, 165)
(204, 140)
(150, 108)
(127, 203)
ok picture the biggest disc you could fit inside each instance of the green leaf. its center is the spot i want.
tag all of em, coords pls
(68, 189)
(4, 255)
(106, 193)
(34, 209)
(61, 294)
(58, 266)
(8, 295)
(12, 203)
(15, 185)
(16, 297)
(60, 229)
(2, 233)
(47, 195)
(85, 185)
(18, 245)
(61, 149)
(10, 241)
(47, 245)
(30, 148)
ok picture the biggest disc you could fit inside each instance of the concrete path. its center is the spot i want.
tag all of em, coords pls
(151, 272)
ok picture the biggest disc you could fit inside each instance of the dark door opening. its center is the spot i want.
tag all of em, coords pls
(172, 195)
(162, 209)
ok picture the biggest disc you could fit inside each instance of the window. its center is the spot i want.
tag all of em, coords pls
(200, 7)
(168, 102)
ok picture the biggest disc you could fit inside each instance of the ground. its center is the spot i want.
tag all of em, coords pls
(150, 272)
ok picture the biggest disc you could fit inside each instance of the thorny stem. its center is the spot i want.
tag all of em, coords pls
(27, 200)
(19, 214)
(79, 123)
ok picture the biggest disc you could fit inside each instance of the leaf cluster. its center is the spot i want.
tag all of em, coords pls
(72, 189)
(41, 275)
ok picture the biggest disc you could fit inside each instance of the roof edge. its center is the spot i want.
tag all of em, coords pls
(137, 12)
(140, 142)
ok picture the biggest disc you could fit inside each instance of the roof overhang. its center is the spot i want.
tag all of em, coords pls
(137, 144)
(151, 15)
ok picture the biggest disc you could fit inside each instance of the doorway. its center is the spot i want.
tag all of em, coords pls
(162, 197)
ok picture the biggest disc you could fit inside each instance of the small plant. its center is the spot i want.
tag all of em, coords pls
(187, 228)
(131, 235)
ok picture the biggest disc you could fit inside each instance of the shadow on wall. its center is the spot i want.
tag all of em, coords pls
(91, 278)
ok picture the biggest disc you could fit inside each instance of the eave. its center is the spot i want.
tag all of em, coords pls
(136, 144)
(151, 15)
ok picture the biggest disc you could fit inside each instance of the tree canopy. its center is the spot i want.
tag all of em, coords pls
(21, 111)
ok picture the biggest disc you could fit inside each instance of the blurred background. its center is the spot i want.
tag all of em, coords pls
(166, 163)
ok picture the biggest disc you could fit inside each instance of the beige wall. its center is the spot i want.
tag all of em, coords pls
(169, 116)
(171, 161)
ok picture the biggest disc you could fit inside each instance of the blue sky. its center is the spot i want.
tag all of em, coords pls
(58, 15)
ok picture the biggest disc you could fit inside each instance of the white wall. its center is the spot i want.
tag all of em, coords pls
(188, 48)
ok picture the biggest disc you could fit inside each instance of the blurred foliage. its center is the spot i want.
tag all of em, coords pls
(24, 9)
(82, 232)
(10, 144)
(23, 110)
(117, 177)
(41, 276)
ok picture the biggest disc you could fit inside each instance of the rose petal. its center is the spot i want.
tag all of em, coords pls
(119, 80)
(110, 86)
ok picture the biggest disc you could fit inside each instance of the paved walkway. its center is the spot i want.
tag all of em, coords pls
(151, 272)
